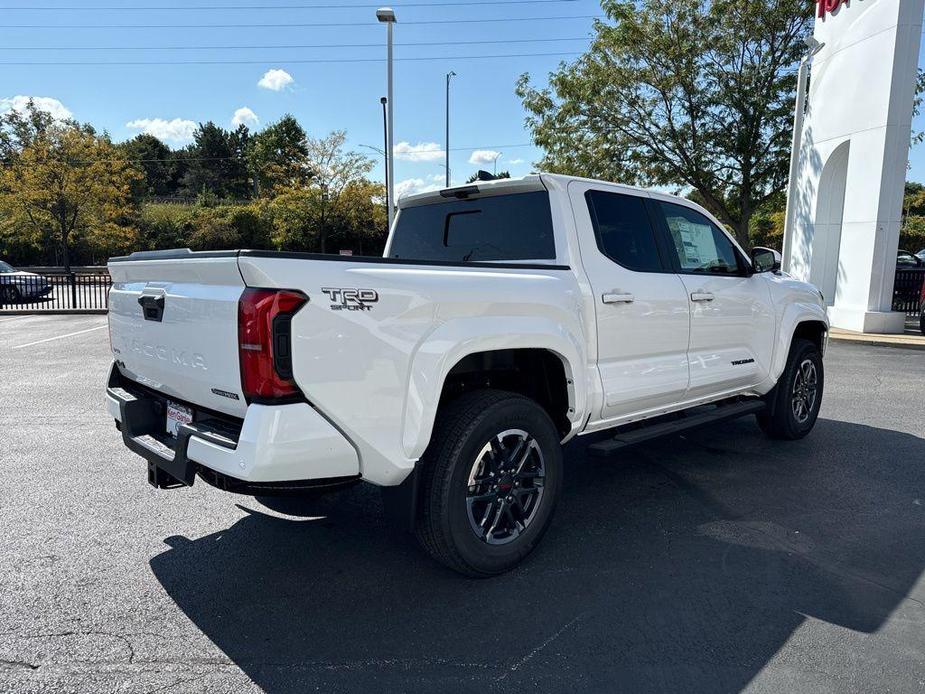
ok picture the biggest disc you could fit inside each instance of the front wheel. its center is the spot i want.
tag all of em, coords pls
(491, 478)
(793, 404)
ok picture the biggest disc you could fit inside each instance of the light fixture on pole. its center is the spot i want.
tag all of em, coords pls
(387, 16)
(814, 47)
(448, 76)
(497, 157)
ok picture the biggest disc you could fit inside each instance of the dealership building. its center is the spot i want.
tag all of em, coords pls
(845, 205)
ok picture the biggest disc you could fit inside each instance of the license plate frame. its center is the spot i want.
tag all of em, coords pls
(176, 415)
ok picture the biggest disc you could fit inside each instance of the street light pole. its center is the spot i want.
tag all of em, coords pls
(385, 153)
(495, 172)
(798, 114)
(448, 76)
(387, 16)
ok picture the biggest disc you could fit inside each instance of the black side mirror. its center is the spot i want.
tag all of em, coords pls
(765, 259)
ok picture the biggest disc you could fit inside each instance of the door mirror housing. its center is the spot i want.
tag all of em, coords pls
(765, 259)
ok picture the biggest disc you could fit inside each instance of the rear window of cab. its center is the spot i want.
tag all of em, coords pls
(491, 228)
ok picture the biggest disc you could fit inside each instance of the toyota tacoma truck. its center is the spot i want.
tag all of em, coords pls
(504, 319)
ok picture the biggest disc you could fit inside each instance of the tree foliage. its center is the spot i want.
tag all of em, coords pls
(693, 93)
(216, 163)
(65, 185)
(278, 156)
(67, 193)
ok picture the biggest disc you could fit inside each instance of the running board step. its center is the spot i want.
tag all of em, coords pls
(720, 413)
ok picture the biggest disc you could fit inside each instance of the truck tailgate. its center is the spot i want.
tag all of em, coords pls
(173, 323)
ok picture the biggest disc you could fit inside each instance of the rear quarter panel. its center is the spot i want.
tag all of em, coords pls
(377, 373)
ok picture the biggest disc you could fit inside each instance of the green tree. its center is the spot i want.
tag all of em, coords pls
(333, 170)
(692, 93)
(501, 174)
(19, 129)
(216, 162)
(278, 156)
(156, 161)
(69, 186)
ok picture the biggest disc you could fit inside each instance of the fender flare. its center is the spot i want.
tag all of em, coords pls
(794, 314)
(456, 339)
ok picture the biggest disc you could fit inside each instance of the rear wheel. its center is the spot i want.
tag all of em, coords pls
(9, 294)
(793, 404)
(491, 478)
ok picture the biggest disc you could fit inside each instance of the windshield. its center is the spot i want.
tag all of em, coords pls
(6, 267)
(498, 227)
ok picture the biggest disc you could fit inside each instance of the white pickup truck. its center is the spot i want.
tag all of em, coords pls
(504, 319)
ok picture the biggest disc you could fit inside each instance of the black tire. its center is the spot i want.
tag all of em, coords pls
(9, 294)
(458, 453)
(786, 418)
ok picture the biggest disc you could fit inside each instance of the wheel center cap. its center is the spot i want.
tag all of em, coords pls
(505, 484)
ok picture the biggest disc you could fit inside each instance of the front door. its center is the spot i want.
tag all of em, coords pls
(640, 303)
(732, 319)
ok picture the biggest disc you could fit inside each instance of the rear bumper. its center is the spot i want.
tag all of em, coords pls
(279, 448)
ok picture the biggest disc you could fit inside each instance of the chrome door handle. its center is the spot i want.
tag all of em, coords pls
(616, 298)
(702, 296)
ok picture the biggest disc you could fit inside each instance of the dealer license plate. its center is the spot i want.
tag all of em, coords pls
(177, 415)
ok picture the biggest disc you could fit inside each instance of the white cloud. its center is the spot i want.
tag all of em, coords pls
(516, 161)
(175, 132)
(44, 103)
(483, 156)
(244, 116)
(275, 80)
(423, 151)
(410, 186)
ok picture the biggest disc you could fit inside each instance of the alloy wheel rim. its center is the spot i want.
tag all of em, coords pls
(505, 487)
(805, 387)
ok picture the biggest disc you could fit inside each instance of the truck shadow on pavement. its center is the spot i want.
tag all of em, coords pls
(685, 565)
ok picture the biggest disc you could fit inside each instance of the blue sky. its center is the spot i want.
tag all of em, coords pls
(167, 99)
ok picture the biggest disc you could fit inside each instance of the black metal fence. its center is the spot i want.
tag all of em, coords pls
(907, 290)
(52, 289)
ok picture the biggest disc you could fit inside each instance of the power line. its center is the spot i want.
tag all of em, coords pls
(451, 3)
(295, 25)
(182, 159)
(284, 46)
(98, 63)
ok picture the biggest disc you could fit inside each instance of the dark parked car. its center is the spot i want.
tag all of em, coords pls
(16, 285)
(907, 259)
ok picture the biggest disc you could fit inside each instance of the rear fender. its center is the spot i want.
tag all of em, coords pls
(452, 341)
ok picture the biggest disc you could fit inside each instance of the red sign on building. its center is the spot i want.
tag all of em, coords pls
(826, 6)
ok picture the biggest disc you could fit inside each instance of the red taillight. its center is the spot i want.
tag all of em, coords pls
(265, 344)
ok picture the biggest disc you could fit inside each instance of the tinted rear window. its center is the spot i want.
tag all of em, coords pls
(500, 227)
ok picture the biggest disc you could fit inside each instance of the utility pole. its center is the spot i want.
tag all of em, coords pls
(448, 76)
(386, 15)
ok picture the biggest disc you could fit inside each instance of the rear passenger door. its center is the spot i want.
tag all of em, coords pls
(732, 319)
(640, 303)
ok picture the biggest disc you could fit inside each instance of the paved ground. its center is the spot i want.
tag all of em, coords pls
(719, 562)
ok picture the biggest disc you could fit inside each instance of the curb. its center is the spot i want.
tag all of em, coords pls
(903, 341)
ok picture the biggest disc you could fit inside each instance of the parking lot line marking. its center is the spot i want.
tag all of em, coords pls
(59, 337)
(4, 320)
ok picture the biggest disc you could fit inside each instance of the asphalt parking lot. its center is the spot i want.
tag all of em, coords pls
(717, 562)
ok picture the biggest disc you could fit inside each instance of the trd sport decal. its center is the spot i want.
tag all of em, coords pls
(350, 299)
